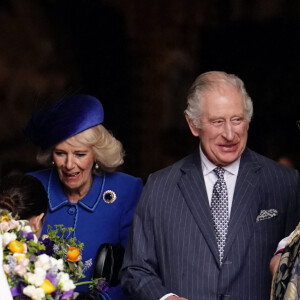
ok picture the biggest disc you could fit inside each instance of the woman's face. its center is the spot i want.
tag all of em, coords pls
(74, 162)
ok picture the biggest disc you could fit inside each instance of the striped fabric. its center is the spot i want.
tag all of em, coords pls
(173, 249)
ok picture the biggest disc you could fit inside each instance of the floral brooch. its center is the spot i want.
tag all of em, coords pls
(109, 196)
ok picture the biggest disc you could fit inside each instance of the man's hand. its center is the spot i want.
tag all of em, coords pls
(274, 264)
(175, 298)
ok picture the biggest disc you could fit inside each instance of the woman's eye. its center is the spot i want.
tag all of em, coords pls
(80, 154)
(58, 153)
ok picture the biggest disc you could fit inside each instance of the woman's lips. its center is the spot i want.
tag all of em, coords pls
(71, 175)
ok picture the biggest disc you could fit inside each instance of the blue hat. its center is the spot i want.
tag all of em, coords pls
(65, 119)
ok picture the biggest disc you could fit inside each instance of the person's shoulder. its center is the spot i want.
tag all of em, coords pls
(120, 176)
(175, 170)
(124, 181)
(41, 174)
(267, 162)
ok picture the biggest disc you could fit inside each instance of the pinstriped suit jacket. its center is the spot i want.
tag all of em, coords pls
(173, 249)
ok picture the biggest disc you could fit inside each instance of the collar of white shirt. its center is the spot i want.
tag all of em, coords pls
(208, 166)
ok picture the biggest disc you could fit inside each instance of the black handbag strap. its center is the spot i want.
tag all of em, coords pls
(108, 263)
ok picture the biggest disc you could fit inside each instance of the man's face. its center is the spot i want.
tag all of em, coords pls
(223, 128)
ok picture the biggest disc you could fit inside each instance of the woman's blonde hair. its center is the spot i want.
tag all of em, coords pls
(108, 151)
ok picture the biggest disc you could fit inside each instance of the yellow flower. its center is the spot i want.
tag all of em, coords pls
(73, 254)
(4, 218)
(48, 287)
(18, 256)
(16, 247)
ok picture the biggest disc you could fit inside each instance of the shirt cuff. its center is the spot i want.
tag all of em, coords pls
(166, 296)
(282, 244)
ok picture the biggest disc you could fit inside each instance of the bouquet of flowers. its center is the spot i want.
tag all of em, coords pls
(31, 272)
(60, 245)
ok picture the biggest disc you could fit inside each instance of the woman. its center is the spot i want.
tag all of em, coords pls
(25, 196)
(83, 188)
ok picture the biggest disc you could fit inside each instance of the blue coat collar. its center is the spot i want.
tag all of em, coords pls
(58, 199)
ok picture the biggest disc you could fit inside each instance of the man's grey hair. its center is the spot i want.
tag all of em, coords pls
(211, 81)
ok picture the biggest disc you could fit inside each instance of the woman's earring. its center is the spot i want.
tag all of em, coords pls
(96, 166)
(52, 163)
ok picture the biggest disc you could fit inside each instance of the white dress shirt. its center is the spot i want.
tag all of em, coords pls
(210, 178)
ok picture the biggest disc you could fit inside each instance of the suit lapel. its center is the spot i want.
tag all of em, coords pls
(193, 189)
(243, 199)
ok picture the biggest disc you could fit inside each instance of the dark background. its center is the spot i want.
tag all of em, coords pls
(139, 57)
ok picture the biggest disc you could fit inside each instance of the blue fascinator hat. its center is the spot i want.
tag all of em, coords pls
(68, 117)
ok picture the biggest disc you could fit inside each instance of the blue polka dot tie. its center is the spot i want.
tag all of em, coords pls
(219, 210)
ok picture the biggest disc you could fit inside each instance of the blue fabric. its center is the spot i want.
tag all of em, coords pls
(95, 222)
(65, 119)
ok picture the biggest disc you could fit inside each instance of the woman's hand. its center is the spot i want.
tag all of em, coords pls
(175, 298)
(274, 263)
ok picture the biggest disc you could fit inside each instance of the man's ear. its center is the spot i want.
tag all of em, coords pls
(36, 222)
(193, 128)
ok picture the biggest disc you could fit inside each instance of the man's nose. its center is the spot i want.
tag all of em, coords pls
(228, 132)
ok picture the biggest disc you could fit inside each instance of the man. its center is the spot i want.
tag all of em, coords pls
(201, 233)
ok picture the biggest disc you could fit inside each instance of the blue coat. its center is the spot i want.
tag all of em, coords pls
(95, 222)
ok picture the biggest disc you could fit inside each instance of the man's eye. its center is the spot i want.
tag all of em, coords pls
(218, 122)
(237, 120)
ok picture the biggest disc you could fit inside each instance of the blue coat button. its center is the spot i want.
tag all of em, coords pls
(71, 210)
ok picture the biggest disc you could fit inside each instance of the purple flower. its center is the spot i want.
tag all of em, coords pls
(30, 236)
(102, 286)
(52, 278)
(32, 258)
(57, 295)
(18, 290)
(27, 235)
(22, 233)
(67, 294)
(49, 247)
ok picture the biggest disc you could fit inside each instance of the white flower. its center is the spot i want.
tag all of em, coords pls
(8, 237)
(6, 268)
(44, 236)
(65, 283)
(58, 263)
(20, 270)
(22, 224)
(43, 261)
(27, 229)
(37, 278)
(33, 292)
(4, 226)
(13, 224)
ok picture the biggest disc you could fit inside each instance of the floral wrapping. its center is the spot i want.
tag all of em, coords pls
(286, 281)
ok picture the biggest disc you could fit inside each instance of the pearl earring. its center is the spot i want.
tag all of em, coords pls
(96, 166)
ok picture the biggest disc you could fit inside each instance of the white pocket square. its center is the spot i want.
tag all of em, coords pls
(266, 214)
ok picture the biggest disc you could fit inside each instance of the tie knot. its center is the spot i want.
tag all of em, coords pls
(219, 172)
